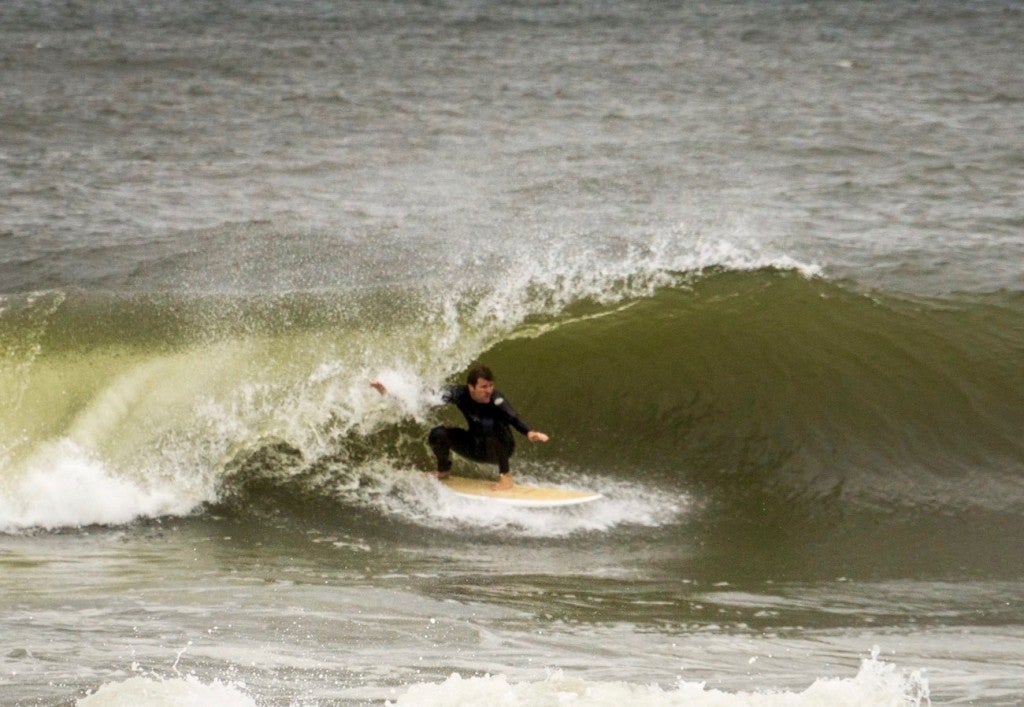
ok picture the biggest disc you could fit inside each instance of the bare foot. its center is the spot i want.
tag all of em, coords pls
(504, 483)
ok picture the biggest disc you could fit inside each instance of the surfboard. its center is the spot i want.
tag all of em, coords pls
(522, 495)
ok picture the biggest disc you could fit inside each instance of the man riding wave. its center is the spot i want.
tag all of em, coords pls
(489, 439)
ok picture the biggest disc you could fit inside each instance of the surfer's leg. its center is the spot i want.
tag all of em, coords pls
(444, 440)
(488, 450)
(441, 445)
(498, 453)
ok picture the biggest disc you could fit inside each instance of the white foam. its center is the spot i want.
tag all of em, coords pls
(877, 683)
(175, 692)
(423, 500)
(63, 487)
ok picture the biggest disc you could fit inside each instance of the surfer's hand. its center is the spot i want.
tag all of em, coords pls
(535, 436)
(379, 387)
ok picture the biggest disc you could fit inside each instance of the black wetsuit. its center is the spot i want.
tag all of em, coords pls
(488, 439)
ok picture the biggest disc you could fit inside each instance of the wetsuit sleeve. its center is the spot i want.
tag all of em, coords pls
(511, 415)
(450, 394)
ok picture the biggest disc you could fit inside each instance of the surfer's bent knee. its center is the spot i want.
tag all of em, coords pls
(438, 434)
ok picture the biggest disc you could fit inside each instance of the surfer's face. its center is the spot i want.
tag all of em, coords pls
(482, 391)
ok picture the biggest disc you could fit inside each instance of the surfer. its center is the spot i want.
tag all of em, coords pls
(489, 415)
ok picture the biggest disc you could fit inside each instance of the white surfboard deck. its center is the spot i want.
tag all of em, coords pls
(521, 495)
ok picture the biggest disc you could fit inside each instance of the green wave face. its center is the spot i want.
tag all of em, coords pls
(816, 430)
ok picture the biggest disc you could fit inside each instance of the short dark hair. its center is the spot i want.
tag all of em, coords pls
(477, 372)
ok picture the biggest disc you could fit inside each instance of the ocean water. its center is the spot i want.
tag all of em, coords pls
(756, 267)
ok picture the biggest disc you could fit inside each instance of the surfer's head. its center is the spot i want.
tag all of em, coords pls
(480, 382)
